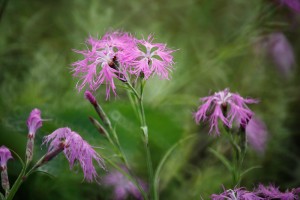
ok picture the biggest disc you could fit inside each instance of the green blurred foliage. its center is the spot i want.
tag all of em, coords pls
(214, 42)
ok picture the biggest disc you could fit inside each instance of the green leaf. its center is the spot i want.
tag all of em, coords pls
(163, 160)
(20, 159)
(250, 169)
(1, 196)
(224, 160)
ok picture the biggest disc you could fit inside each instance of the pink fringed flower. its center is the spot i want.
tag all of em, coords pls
(75, 149)
(257, 134)
(99, 65)
(34, 122)
(122, 186)
(272, 192)
(148, 58)
(225, 106)
(236, 194)
(5, 155)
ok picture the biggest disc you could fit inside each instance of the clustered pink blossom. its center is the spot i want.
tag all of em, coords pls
(34, 122)
(75, 149)
(225, 106)
(5, 155)
(260, 193)
(117, 55)
(122, 186)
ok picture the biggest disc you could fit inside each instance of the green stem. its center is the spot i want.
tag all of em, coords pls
(144, 128)
(17, 184)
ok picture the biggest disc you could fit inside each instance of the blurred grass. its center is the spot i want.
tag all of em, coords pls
(215, 50)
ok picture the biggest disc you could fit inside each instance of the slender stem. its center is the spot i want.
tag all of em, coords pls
(17, 184)
(144, 128)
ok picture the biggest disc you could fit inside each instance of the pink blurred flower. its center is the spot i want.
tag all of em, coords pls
(292, 4)
(272, 192)
(236, 194)
(215, 107)
(122, 186)
(75, 149)
(34, 122)
(5, 155)
(257, 134)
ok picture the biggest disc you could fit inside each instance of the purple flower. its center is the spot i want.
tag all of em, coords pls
(122, 186)
(236, 194)
(257, 134)
(215, 107)
(34, 122)
(99, 65)
(75, 149)
(292, 4)
(272, 192)
(5, 155)
(148, 58)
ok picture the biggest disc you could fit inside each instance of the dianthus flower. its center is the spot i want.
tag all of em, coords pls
(226, 106)
(5, 155)
(122, 186)
(75, 149)
(272, 192)
(34, 122)
(148, 58)
(100, 63)
(236, 194)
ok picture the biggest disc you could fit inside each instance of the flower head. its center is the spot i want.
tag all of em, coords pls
(148, 58)
(257, 134)
(236, 194)
(122, 186)
(99, 65)
(226, 106)
(272, 192)
(5, 155)
(75, 149)
(34, 122)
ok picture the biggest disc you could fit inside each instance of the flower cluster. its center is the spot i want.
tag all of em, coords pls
(226, 106)
(122, 186)
(75, 149)
(260, 193)
(117, 55)
(257, 134)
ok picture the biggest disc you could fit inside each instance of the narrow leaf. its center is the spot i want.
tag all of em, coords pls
(224, 160)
